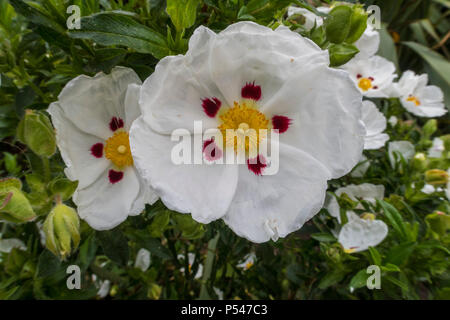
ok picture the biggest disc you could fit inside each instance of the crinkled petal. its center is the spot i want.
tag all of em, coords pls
(360, 234)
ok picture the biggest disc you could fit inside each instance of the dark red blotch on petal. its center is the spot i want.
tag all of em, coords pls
(257, 165)
(211, 150)
(115, 123)
(115, 176)
(251, 91)
(211, 106)
(97, 150)
(281, 123)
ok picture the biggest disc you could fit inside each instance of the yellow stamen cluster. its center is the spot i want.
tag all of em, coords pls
(247, 121)
(349, 250)
(413, 99)
(117, 149)
(368, 216)
(248, 265)
(365, 84)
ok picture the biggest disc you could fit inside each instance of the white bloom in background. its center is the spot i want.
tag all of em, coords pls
(375, 123)
(218, 292)
(437, 148)
(6, 245)
(405, 148)
(360, 170)
(249, 77)
(142, 259)
(373, 76)
(191, 261)
(360, 233)
(92, 117)
(103, 291)
(368, 43)
(393, 120)
(365, 191)
(428, 189)
(418, 98)
(310, 17)
(248, 261)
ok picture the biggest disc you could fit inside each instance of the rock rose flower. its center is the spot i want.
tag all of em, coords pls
(248, 262)
(92, 117)
(191, 261)
(418, 98)
(375, 123)
(247, 79)
(361, 232)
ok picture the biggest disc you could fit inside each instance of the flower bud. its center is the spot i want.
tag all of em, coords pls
(14, 206)
(36, 131)
(429, 128)
(337, 24)
(62, 229)
(436, 177)
(419, 162)
(154, 291)
(358, 24)
(446, 140)
(438, 222)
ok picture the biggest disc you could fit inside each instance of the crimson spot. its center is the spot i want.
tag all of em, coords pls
(281, 123)
(115, 176)
(97, 150)
(251, 91)
(115, 123)
(211, 150)
(257, 164)
(211, 106)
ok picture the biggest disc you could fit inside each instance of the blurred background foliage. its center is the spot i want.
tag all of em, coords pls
(39, 55)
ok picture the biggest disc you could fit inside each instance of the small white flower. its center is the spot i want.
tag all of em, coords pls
(103, 291)
(373, 76)
(248, 261)
(405, 148)
(142, 259)
(365, 191)
(6, 245)
(418, 98)
(360, 170)
(428, 189)
(437, 148)
(393, 120)
(92, 117)
(191, 261)
(250, 75)
(218, 292)
(375, 123)
(360, 233)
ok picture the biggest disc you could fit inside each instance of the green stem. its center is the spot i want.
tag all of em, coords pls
(46, 165)
(212, 244)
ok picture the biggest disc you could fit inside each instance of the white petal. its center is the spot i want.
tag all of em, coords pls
(436, 149)
(205, 191)
(368, 43)
(142, 259)
(360, 234)
(105, 205)
(375, 124)
(405, 148)
(288, 199)
(75, 147)
(366, 191)
(360, 170)
(327, 125)
(91, 102)
(132, 109)
(376, 141)
(6, 245)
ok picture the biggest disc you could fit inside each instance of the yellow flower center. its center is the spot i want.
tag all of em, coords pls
(245, 121)
(248, 265)
(368, 216)
(117, 149)
(349, 250)
(365, 84)
(413, 99)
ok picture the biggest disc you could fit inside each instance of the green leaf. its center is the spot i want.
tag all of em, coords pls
(63, 187)
(376, 257)
(394, 218)
(323, 237)
(115, 29)
(332, 278)
(36, 14)
(341, 53)
(115, 245)
(48, 264)
(182, 13)
(337, 24)
(359, 280)
(398, 255)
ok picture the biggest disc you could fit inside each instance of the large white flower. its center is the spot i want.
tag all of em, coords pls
(249, 77)
(418, 98)
(92, 117)
(375, 123)
(365, 191)
(373, 76)
(360, 233)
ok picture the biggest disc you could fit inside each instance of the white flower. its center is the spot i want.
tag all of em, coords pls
(310, 17)
(360, 170)
(360, 233)
(103, 291)
(437, 148)
(404, 148)
(142, 259)
(218, 292)
(373, 76)
(248, 261)
(6, 245)
(428, 189)
(191, 261)
(92, 117)
(365, 191)
(393, 120)
(375, 123)
(271, 79)
(418, 98)
(368, 43)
